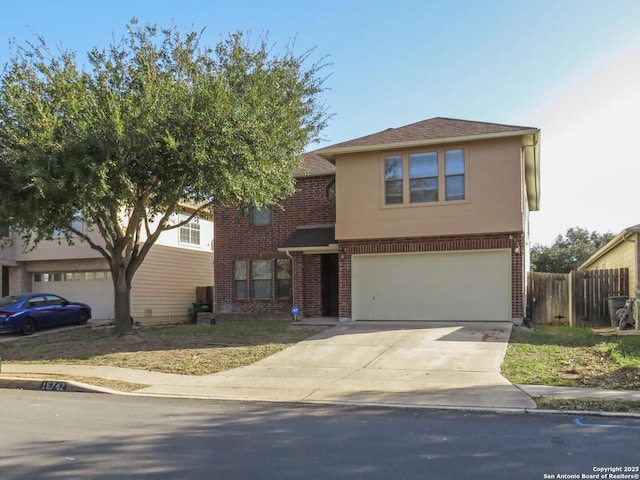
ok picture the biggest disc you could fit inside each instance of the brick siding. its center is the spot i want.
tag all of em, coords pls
(434, 244)
(236, 239)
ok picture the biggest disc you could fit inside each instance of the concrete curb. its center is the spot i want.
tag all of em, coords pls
(54, 385)
(79, 387)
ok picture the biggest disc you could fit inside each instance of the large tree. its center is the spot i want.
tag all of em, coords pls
(568, 251)
(152, 123)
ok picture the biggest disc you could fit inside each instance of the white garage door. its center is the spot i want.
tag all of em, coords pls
(98, 294)
(449, 286)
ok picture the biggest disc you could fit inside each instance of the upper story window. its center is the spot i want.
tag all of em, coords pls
(76, 224)
(4, 231)
(425, 177)
(190, 231)
(261, 216)
(393, 180)
(454, 174)
(331, 191)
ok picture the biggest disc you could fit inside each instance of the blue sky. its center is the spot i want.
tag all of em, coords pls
(568, 67)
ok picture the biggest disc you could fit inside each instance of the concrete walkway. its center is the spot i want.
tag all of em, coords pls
(365, 363)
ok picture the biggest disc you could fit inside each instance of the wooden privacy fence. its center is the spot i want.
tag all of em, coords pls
(578, 299)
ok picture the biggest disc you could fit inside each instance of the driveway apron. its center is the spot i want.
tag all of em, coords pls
(377, 363)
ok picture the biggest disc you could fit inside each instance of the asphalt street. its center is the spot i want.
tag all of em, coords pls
(51, 435)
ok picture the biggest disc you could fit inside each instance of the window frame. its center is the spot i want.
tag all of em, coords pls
(192, 230)
(237, 280)
(393, 179)
(442, 177)
(263, 280)
(281, 281)
(266, 210)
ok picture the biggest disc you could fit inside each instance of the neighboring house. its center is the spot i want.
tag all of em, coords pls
(620, 252)
(431, 223)
(164, 287)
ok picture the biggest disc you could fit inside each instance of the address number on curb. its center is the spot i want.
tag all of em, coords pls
(54, 386)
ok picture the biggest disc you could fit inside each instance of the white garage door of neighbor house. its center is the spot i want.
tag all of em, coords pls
(451, 286)
(98, 294)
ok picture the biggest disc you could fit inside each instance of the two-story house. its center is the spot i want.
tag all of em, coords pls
(164, 287)
(431, 223)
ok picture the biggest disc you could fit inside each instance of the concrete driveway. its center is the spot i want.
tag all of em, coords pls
(378, 363)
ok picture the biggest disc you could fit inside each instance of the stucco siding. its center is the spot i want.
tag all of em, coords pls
(493, 199)
(165, 285)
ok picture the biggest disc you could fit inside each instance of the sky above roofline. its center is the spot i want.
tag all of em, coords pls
(569, 68)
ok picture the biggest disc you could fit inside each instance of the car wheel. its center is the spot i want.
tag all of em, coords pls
(83, 317)
(28, 326)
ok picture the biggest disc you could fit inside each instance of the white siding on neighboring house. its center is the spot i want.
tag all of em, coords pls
(165, 285)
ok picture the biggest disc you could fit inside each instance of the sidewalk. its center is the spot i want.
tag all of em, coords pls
(212, 387)
(397, 365)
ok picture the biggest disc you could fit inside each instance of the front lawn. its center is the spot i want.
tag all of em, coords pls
(573, 357)
(183, 349)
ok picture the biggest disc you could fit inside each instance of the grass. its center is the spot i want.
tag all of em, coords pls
(572, 357)
(628, 406)
(545, 355)
(182, 349)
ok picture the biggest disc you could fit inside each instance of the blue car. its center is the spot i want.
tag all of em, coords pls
(25, 313)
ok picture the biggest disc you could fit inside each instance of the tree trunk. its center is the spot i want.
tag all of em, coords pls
(122, 299)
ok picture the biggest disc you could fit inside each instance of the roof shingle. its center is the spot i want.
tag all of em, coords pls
(315, 165)
(431, 129)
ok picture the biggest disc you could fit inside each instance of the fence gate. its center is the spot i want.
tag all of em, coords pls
(548, 298)
(590, 294)
(579, 299)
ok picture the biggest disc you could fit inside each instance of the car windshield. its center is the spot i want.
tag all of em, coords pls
(10, 300)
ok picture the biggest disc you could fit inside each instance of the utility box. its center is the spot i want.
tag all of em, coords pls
(204, 295)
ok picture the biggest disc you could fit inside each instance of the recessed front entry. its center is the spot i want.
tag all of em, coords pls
(329, 284)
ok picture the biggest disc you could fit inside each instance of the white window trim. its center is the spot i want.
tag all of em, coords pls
(190, 228)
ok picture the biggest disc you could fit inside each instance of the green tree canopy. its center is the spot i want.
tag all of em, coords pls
(154, 122)
(568, 251)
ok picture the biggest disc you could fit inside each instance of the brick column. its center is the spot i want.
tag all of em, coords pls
(297, 267)
(344, 283)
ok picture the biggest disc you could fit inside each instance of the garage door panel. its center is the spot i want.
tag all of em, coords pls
(432, 286)
(98, 294)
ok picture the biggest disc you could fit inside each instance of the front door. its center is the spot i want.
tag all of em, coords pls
(329, 284)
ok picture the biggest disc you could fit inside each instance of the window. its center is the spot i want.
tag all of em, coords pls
(283, 278)
(76, 224)
(393, 180)
(37, 302)
(331, 191)
(261, 216)
(454, 174)
(261, 278)
(190, 232)
(425, 177)
(240, 279)
(4, 231)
